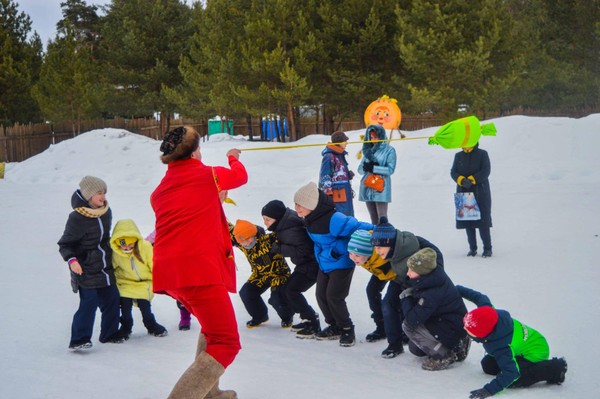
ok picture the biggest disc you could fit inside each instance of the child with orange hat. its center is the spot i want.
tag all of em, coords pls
(269, 270)
(516, 354)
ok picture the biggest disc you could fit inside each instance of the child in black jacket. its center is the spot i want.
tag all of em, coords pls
(85, 246)
(294, 243)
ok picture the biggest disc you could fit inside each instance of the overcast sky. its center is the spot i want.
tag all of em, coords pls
(45, 14)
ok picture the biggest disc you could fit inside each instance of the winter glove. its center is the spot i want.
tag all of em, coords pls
(368, 166)
(406, 293)
(472, 180)
(275, 249)
(350, 175)
(480, 394)
(466, 183)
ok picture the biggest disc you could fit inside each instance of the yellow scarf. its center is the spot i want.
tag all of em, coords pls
(92, 213)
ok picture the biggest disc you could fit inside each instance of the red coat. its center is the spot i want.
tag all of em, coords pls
(192, 246)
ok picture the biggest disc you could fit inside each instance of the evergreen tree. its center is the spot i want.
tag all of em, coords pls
(458, 52)
(70, 87)
(20, 60)
(142, 43)
(362, 62)
(563, 65)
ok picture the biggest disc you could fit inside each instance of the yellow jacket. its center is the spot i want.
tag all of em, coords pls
(133, 271)
(379, 267)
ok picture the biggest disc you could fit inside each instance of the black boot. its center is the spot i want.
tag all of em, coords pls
(558, 369)
(377, 335)
(348, 338)
(311, 329)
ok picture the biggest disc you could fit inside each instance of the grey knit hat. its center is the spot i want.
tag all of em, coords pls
(90, 185)
(307, 196)
(422, 262)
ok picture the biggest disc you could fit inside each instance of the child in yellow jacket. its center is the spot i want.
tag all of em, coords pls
(132, 261)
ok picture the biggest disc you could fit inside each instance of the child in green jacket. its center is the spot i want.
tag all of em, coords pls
(516, 354)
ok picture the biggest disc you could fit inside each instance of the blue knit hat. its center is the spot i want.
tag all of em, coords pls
(360, 243)
(384, 234)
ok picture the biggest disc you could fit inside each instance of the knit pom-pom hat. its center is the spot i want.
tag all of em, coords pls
(481, 322)
(384, 234)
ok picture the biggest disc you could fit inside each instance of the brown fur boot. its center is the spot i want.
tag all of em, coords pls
(199, 379)
(216, 393)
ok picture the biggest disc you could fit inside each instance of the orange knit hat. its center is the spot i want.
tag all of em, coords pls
(244, 229)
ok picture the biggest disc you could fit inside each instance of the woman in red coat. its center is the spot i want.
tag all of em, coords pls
(193, 256)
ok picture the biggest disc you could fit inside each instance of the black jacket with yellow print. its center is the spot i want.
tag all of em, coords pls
(268, 267)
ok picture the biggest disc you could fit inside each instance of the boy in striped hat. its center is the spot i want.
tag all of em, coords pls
(362, 254)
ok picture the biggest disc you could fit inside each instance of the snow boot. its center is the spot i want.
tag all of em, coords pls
(287, 323)
(157, 330)
(436, 364)
(348, 338)
(74, 346)
(199, 379)
(377, 335)
(185, 319)
(300, 326)
(309, 332)
(255, 323)
(392, 351)
(487, 253)
(330, 333)
(462, 348)
(558, 369)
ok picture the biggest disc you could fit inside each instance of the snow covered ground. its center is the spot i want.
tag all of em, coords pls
(546, 190)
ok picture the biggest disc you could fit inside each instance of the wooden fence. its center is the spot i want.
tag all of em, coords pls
(24, 141)
(20, 142)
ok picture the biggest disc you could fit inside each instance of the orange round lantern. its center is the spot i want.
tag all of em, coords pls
(385, 112)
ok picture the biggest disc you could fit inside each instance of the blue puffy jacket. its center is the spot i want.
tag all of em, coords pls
(385, 156)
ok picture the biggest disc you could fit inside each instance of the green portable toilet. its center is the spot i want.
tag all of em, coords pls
(214, 126)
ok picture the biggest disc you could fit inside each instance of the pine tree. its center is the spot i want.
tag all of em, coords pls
(458, 52)
(20, 60)
(70, 87)
(142, 43)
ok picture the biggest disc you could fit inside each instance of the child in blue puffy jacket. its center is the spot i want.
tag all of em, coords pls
(330, 230)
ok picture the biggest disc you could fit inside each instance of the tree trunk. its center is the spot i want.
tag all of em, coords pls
(249, 126)
(292, 123)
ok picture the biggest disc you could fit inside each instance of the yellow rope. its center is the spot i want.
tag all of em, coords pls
(283, 147)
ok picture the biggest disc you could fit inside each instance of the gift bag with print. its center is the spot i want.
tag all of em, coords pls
(466, 207)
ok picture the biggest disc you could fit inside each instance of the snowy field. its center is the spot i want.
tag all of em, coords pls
(545, 185)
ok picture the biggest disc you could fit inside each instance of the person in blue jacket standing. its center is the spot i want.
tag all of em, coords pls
(334, 176)
(330, 231)
(378, 158)
(516, 354)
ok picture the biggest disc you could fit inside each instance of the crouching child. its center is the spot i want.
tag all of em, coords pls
(516, 354)
(433, 312)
